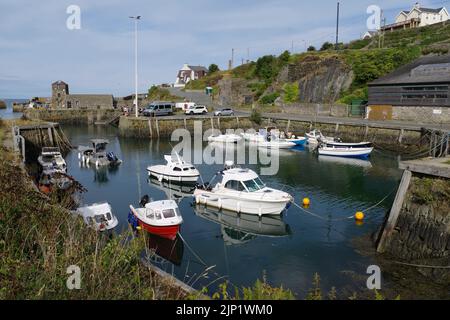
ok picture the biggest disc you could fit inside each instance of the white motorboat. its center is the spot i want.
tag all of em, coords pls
(176, 170)
(360, 151)
(242, 191)
(99, 216)
(97, 154)
(225, 138)
(161, 218)
(52, 161)
(270, 139)
(315, 137)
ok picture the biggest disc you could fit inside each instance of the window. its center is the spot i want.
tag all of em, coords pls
(109, 216)
(177, 169)
(235, 185)
(252, 186)
(169, 213)
(150, 214)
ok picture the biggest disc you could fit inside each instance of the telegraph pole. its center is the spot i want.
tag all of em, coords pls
(337, 25)
(136, 105)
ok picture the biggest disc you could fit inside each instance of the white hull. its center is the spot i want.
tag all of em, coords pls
(232, 138)
(235, 203)
(346, 152)
(160, 173)
(276, 144)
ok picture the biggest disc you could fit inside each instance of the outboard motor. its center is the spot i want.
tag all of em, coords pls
(145, 199)
(112, 157)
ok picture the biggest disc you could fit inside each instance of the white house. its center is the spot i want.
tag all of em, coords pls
(189, 73)
(418, 17)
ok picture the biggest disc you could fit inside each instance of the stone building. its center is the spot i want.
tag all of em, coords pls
(189, 73)
(62, 99)
(419, 91)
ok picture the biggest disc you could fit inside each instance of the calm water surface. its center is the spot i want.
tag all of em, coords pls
(288, 250)
(8, 113)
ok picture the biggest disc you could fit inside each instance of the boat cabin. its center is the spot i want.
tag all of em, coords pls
(99, 145)
(242, 180)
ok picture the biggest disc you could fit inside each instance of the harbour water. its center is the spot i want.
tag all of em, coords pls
(288, 251)
(8, 112)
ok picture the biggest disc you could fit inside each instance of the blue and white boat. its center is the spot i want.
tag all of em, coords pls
(360, 150)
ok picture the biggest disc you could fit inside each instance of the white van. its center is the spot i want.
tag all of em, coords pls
(185, 105)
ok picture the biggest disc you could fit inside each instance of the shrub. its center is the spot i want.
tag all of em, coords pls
(213, 68)
(311, 49)
(270, 98)
(291, 92)
(256, 117)
(327, 46)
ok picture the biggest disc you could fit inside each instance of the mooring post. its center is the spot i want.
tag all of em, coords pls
(310, 126)
(157, 127)
(288, 125)
(237, 121)
(50, 135)
(400, 137)
(395, 211)
(218, 123)
(23, 148)
(336, 130)
(185, 123)
(150, 127)
(212, 123)
(366, 133)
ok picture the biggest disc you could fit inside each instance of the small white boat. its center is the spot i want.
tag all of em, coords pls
(99, 216)
(97, 154)
(176, 170)
(360, 152)
(315, 137)
(242, 191)
(276, 144)
(161, 218)
(225, 138)
(52, 161)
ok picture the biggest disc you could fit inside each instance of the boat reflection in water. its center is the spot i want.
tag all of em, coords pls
(163, 250)
(366, 164)
(173, 191)
(238, 229)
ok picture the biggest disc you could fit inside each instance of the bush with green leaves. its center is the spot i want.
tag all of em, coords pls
(291, 92)
(269, 98)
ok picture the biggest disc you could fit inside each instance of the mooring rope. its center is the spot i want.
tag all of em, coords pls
(192, 251)
(421, 266)
(346, 218)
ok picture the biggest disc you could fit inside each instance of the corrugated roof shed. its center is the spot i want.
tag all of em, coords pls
(432, 69)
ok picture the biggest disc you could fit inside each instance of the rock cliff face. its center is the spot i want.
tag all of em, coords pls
(321, 79)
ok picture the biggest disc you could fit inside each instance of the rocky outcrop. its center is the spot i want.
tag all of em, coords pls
(235, 91)
(2, 104)
(321, 79)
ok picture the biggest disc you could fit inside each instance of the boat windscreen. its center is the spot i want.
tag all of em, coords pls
(169, 213)
(253, 186)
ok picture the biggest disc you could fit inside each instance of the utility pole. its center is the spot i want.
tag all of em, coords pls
(337, 25)
(292, 47)
(232, 58)
(136, 104)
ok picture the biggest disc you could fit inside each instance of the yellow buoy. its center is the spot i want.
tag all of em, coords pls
(306, 202)
(359, 216)
(139, 228)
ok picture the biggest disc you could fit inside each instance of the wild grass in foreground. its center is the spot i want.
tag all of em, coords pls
(39, 240)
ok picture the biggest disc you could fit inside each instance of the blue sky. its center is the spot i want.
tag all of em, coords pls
(36, 48)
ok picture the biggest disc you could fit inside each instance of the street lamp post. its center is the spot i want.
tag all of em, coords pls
(136, 103)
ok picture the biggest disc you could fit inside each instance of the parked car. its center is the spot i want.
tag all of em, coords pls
(185, 105)
(197, 110)
(158, 109)
(224, 112)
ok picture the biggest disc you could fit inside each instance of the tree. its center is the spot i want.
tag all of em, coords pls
(327, 46)
(311, 49)
(284, 57)
(213, 68)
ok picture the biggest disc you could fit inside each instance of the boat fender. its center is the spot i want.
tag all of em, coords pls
(79, 156)
(97, 163)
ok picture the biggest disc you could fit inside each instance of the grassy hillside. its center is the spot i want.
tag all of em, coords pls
(366, 60)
